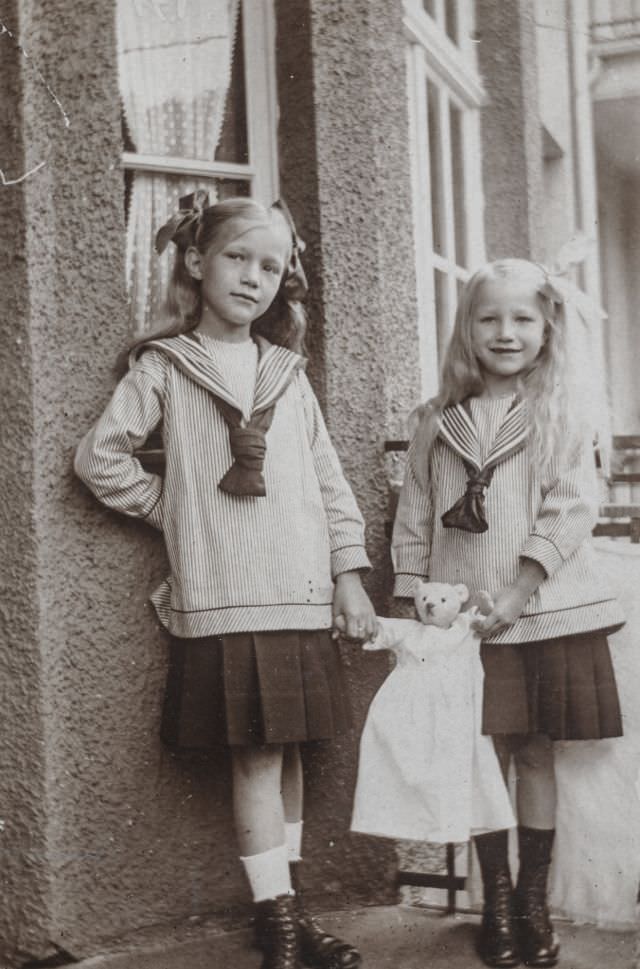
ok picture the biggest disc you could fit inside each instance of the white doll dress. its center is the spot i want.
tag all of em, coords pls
(426, 772)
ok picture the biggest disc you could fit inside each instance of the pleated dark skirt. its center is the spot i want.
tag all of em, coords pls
(564, 688)
(254, 688)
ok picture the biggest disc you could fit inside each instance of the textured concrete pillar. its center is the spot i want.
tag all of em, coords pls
(104, 831)
(345, 168)
(511, 131)
(24, 880)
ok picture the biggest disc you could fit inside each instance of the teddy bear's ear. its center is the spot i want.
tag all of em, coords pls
(462, 591)
(417, 585)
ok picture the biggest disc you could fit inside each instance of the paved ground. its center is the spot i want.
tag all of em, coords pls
(397, 937)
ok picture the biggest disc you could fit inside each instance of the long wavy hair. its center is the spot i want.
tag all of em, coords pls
(554, 410)
(284, 322)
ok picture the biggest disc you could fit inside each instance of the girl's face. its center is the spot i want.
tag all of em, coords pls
(240, 280)
(507, 332)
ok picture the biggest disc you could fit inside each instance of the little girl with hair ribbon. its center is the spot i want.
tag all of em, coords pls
(498, 495)
(263, 535)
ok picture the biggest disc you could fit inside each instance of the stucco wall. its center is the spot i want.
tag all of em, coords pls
(105, 831)
(24, 886)
(345, 170)
(511, 132)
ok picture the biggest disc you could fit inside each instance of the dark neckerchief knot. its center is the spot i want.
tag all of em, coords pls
(468, 513)
(248, 446)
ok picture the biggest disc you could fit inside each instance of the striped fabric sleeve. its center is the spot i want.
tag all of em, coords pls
(105, 459)
(412, 531)
(564, 521)
(346, 525)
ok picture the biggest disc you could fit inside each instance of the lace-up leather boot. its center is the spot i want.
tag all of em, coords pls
(497, 944)
(278, 933)
(538, 942)
(319, 949)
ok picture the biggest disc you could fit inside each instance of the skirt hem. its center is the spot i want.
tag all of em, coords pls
(246, 689)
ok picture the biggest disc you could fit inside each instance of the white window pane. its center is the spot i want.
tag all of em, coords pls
(458, 186)
(444, 99)
(443, 310)
(434, 122)
(451, 19)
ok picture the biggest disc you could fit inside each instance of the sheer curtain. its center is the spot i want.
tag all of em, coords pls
(175, 69)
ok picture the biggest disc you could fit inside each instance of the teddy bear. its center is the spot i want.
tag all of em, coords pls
(439, 604)
(425, 771)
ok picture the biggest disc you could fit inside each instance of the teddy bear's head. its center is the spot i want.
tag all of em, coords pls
(438, 603)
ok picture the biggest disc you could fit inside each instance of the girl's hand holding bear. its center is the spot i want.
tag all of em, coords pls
(509, 602)
(353, 615)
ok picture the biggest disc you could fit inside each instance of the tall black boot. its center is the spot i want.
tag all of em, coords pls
(317, 947)
(538, 942)
(497, 944)
(278, 933)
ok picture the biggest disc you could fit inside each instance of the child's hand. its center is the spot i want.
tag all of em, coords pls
(508, 604)
(353, 615)
(481, 601)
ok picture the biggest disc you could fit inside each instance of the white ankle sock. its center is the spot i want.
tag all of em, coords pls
(293, 840)
(268, 873)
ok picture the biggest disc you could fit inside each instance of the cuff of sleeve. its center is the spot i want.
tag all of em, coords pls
(352, 558)
(404, 584)
(154, 515)
(542, 551)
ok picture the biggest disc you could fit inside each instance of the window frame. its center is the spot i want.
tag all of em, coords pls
(432, 57)
(261, 172)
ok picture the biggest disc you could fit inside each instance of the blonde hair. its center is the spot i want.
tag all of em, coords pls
(553, 404)
(283, 323)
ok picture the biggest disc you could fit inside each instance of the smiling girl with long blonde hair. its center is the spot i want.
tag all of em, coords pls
(495, 497)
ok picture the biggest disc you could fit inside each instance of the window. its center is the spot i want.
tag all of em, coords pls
(445, 95)
(197, 82)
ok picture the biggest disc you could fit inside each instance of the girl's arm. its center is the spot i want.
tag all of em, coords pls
(353, 613)
(105, 457)
(412, 531)
(346, 525)
(564, 521)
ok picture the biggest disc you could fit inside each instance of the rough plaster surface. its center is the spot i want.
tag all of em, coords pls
(105, 831)
(511, 131)
(24, 887)
(299, 163)
(344, 148)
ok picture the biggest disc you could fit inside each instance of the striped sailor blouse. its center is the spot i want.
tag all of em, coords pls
(544, 519)
(237, 563)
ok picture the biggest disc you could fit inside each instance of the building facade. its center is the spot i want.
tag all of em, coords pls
(412, 139)
(615, 87)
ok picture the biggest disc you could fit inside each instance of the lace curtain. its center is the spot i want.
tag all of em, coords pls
(175, 68)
